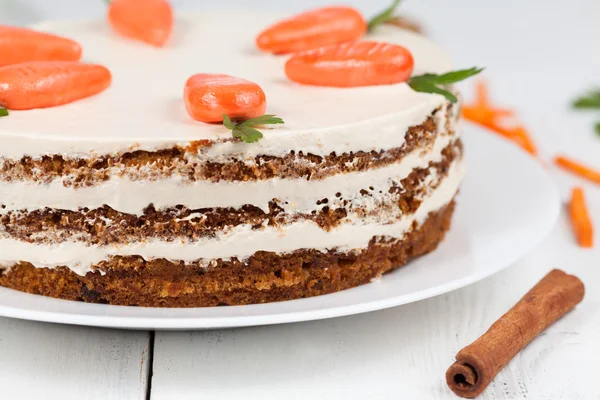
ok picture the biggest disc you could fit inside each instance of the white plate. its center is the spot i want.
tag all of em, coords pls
(506, 207)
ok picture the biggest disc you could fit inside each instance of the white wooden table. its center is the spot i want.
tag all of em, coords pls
(539, 53)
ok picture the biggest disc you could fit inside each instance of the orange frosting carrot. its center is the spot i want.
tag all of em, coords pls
(149, 21)
(40, 84)
(312, 29)
(210, 96)
(19, 45)
(580, 219)
(352, 64)
(578, 168)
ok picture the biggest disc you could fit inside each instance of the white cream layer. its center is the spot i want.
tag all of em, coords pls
(294, 195)
(144, 110)
(240, 242)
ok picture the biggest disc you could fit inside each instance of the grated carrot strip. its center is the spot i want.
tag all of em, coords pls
(482, 95)
(577, 168)
(580, 219)
(524, 139)
(518, 135)
(485, 115)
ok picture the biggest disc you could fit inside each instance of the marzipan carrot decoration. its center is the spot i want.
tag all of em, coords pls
(40, 84)
(578, 168)
(320, 27)
(225, 98)
(580, 219)
(351, 64)
(209, 96)
(149, 21)
(19, 45)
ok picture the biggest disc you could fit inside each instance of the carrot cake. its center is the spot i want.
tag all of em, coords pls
(123, 199)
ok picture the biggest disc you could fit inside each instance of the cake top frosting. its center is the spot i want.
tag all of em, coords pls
(143, 109)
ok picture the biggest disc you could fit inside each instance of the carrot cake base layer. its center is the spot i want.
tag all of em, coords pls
(262, 278)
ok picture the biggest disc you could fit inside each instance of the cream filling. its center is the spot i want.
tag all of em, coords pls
(240, 242)
(340, 139)
(294, 195)
(372, 207)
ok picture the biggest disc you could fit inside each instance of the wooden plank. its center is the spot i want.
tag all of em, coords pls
(48, 361)
(397, 353)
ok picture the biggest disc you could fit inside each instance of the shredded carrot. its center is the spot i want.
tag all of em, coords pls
(580, 219)
(482, 97)
(577, 168)
(520, 135)
(483, 113)
(482, 110)
(517, 134)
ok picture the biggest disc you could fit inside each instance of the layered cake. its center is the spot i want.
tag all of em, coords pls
(122, 198)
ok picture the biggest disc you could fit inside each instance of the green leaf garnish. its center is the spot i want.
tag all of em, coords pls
(384, 16)
(428, 87)
(433, 83)
(3, 112)
(246, 130)
(589, 101)
(227, 122)
(449, 77)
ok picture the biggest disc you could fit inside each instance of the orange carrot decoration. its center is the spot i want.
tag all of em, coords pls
(238, 103)
(149, 21)
(580, 219)
(578, 168)
(321, 27)
(40, 84)
(19, 45)
(351, 64)
(312, 29)
(209, 96)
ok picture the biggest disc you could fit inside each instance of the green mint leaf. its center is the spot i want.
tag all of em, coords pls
(247, 134)
(383, 16)
(448, 78)
(427, 87)
(430, 83)
(227, 122)
(589, 101)
(267, 119)
(3, 112)
(245, 130)
(597, 128)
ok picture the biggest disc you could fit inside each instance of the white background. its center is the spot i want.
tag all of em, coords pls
(539, 54)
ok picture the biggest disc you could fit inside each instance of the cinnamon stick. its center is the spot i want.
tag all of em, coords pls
(477, 364)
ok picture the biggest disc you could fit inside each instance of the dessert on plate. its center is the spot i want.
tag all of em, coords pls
(122, 198)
